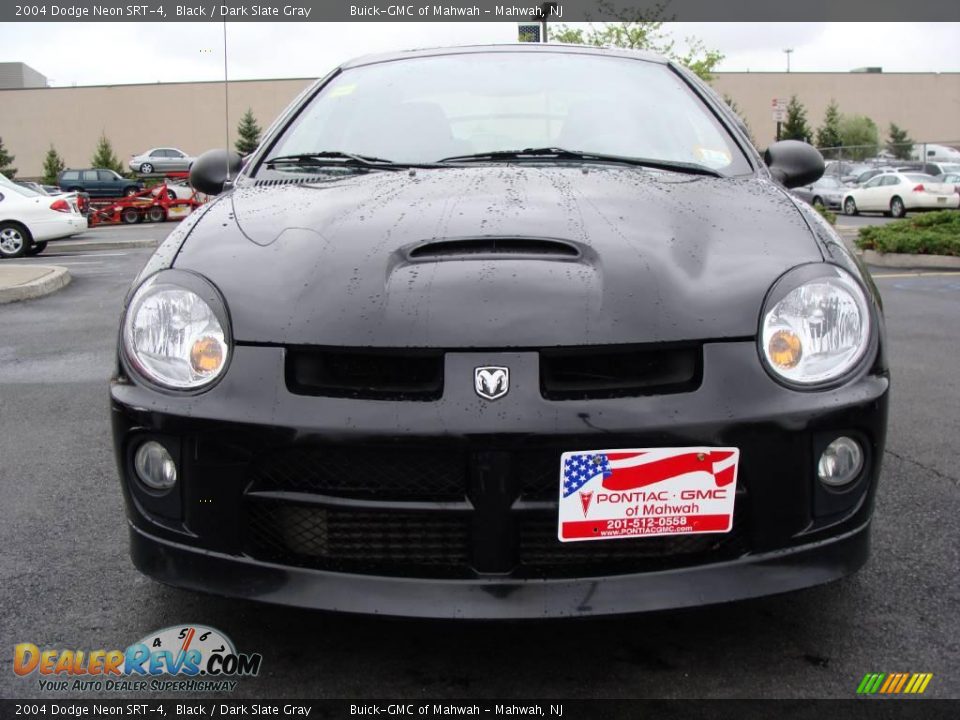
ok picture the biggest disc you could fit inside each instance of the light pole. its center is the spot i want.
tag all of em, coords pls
(788, 51)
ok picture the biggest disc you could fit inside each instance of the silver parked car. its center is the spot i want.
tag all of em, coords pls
(161, 160)
(826, 192)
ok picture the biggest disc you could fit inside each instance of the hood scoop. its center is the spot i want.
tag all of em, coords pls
(484, 248)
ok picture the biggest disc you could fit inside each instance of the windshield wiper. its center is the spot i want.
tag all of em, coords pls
(331, 157)
(564, 154)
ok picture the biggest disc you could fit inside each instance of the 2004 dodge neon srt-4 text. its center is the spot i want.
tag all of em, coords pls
(502, 332)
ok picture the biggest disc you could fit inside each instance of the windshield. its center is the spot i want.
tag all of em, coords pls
(421, 110)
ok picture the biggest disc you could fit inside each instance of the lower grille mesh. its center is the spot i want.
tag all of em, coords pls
(357, 540)
(375, 473)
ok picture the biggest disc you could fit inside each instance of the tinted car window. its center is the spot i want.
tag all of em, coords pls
(426, 109)
(90, 175)
(71, 175)
(157, 153)
(891, 180)
(875, 182)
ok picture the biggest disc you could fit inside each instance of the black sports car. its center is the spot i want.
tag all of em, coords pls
(502, 332)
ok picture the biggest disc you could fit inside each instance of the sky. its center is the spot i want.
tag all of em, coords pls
(118, 53)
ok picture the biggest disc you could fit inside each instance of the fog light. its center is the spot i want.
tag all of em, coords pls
(841, 462)
(155, 468)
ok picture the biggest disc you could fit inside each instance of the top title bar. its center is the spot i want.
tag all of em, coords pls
(479, 11)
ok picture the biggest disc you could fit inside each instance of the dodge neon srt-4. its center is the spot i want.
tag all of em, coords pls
(502, 332)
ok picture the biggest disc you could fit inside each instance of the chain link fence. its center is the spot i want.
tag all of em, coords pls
(927, 157)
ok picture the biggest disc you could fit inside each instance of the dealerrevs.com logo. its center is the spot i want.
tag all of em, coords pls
(200, 658)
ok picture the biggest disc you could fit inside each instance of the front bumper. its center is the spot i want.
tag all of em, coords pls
(245, 523)
(496, 598)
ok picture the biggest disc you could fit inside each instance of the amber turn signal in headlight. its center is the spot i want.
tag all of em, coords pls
(815, 327)
(206, 355)
(175, 332)
(784, 349)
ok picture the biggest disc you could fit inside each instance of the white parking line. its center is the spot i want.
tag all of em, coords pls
(78, 262)
(130, 226)
(87, 254)
(914, 274)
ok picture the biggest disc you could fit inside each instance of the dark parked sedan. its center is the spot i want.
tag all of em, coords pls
(502, 332)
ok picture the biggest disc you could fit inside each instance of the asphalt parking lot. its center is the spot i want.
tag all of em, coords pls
(68, 582)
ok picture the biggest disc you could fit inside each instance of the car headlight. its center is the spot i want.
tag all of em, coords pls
(815, 326)
(176, 333)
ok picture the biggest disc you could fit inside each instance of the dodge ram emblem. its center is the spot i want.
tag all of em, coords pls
(490, 382)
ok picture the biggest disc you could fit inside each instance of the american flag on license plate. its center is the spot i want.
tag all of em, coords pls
(631, 470)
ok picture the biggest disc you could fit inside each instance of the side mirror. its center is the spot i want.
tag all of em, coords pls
(794, 163)
(212, 169)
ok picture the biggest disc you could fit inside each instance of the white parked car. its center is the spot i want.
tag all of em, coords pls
(183, 191)
(895, 193)
(28, 219)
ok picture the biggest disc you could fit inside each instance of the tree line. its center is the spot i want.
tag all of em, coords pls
(854, 137)
(248, 137)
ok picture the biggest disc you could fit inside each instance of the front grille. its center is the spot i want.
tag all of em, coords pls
(542, 555)
(430, 513)
(372, 374)
(437, 544)
(406, 474)
(581, 373)
(619, 371)
(539, 474)
(358, 540)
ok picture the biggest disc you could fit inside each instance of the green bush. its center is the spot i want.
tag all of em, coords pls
(935, 233)
(829, 215)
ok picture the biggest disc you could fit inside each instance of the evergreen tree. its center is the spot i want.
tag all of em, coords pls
(828, 136)
(795, 127)
(5, 162)
(249, 134)
(104, 157)
(52, 166)
(900, 145)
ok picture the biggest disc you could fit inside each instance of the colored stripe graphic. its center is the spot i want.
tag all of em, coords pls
(894, 683)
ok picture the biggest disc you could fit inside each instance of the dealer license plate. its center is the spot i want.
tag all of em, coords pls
(646, 492)
(942, 199)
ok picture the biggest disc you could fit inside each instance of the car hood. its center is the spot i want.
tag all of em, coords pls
(660, 257)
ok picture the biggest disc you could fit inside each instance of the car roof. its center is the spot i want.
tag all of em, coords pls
(564, 48)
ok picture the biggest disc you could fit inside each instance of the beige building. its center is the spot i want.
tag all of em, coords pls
(190, 116)
(927, 105)
(135, 118)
